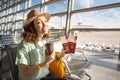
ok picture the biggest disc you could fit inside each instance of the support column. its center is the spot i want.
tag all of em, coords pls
(68, 19)
(119, 52)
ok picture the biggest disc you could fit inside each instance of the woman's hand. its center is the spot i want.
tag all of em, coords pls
(49, 58)
(63, 52)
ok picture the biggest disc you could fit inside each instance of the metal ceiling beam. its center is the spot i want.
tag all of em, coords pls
(95, 29)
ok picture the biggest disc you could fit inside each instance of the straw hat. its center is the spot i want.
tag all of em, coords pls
(34, 14)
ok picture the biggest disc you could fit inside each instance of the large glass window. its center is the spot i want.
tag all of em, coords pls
(80, 4)
(7, 12)
(56, 25)
(57, 22)
(47, 0)
(4, 5)
(3, 20)
(15, 8)
(21, 6)
(19, 16)
(38, 8)
(2, 13)
(10, 10)
(0, 5)
(0, 27)
(3, 26)
(108, 18)
(0, 20)
(8, 4)
(9, 26)
(19, 25)
(57, 7)
(10, 18)
(35, 2)
(12, 1)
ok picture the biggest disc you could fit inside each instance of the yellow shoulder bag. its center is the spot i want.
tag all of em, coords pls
(57, 67)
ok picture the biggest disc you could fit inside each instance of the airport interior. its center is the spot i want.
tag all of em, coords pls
(95, 23)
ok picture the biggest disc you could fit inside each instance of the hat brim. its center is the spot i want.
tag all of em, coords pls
(28, 21)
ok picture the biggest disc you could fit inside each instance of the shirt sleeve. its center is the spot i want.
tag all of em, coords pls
(22, 57)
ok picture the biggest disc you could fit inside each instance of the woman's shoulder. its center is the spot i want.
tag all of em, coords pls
(24, 43)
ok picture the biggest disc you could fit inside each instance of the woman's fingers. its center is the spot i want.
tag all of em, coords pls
(64, 51)
(53, 54)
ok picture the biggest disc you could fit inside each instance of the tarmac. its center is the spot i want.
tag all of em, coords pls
(98, 65)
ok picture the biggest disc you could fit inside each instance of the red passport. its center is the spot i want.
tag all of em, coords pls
(69, 43)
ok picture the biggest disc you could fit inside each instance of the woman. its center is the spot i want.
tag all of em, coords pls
(31, 58)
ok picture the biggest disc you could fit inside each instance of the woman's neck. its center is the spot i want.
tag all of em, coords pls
(40, 37)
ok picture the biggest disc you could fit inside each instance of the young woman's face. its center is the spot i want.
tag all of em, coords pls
(41, 25)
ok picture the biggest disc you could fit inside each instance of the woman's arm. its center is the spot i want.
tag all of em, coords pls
(27, 70)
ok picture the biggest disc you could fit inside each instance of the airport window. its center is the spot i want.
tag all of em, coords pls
(6, 11)
(81, 14)
(0, 4)
(2, 13)
(35, 2)
(107, 18)
(47, 0)
(21, 6)
(81, 4)
(60, 6)
(38, 8)
(9, 26)
(10, 18)
(57, 22)
(10, 10)
(4, 5)
(19, 25)
(19, 16)
(12, 2)
(8, 4)
(3, 20)
(0, 20)
(0, 27)
(5, 28)
(13, 26)
(26, 4)
(14, 8)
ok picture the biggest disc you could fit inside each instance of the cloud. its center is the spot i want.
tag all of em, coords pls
(58, 21)
(84, 3)
(108, 18)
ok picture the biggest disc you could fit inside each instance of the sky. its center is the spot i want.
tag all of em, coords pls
(107, 18)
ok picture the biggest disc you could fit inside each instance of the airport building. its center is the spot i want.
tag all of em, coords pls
(96, 23)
